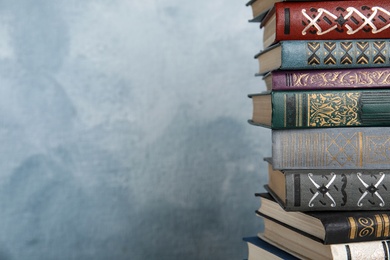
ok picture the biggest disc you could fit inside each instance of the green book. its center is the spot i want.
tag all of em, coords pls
(326, 108)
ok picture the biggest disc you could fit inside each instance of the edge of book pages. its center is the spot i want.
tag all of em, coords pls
(281, 247)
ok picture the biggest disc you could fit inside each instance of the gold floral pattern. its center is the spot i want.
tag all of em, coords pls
(342, 78)
(329, 109)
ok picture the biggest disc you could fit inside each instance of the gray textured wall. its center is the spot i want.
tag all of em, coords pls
(123, 129)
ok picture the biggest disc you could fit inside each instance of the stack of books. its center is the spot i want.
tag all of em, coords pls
(326, 67)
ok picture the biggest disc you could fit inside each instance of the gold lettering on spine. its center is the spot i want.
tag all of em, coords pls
(379, 225)
(360, 147)
(353, 228)
(386, 225)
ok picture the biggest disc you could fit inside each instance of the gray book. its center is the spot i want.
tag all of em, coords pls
(331, 189)
(331, 148)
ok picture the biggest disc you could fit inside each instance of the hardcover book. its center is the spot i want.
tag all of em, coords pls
(327, 79)
(258, 249)
(261, 7)
(307, 247)
(329, 227)
(327, 20)
(325, 54)
(331, 148)
(322, 108)
(330, 190)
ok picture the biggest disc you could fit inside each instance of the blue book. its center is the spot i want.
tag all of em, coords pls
(258, 249)
(326, 54)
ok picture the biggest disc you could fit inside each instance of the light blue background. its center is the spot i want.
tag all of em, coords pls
(123, 129)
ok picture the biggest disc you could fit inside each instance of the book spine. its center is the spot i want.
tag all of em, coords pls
(316, 109)
(331, 148)
(324, 20)
(330, 79)
(359, 251)
(349, 251)
(343, 190)
(335, 54)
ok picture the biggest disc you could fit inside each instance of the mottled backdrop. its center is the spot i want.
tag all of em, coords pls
(123, 129)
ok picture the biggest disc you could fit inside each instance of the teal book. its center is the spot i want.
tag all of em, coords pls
(325, 108)
(325, 54)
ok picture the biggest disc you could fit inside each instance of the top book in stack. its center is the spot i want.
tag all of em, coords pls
(326, 20)
(261, 7)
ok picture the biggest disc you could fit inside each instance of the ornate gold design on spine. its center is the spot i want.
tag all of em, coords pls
(353, 228)
(376, 149)
(386, 225)
(333, 109)
(377, 226)
(341, 78)
(313, 47)
(380, 225)
(367, 227)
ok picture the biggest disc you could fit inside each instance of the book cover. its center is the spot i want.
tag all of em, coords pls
(328, 79)
(305, 247)
(323, 108)
(330, 190)
(259, 249)
(330, 227)
(325, 54)
(329, 20)
(261, 7)
(331, 148)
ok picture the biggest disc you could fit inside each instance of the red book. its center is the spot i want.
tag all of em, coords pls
(327, 20)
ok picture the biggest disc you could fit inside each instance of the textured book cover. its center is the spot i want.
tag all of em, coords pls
(326, 108)
(332, 190)
(331, 148)
(332, 20)
(325, 54)
(337, 227)
(328, 79)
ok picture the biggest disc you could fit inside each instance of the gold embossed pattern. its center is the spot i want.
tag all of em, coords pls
(330, 109)
(342, 78)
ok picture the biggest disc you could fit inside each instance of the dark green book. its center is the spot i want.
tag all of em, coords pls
(326, 108)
